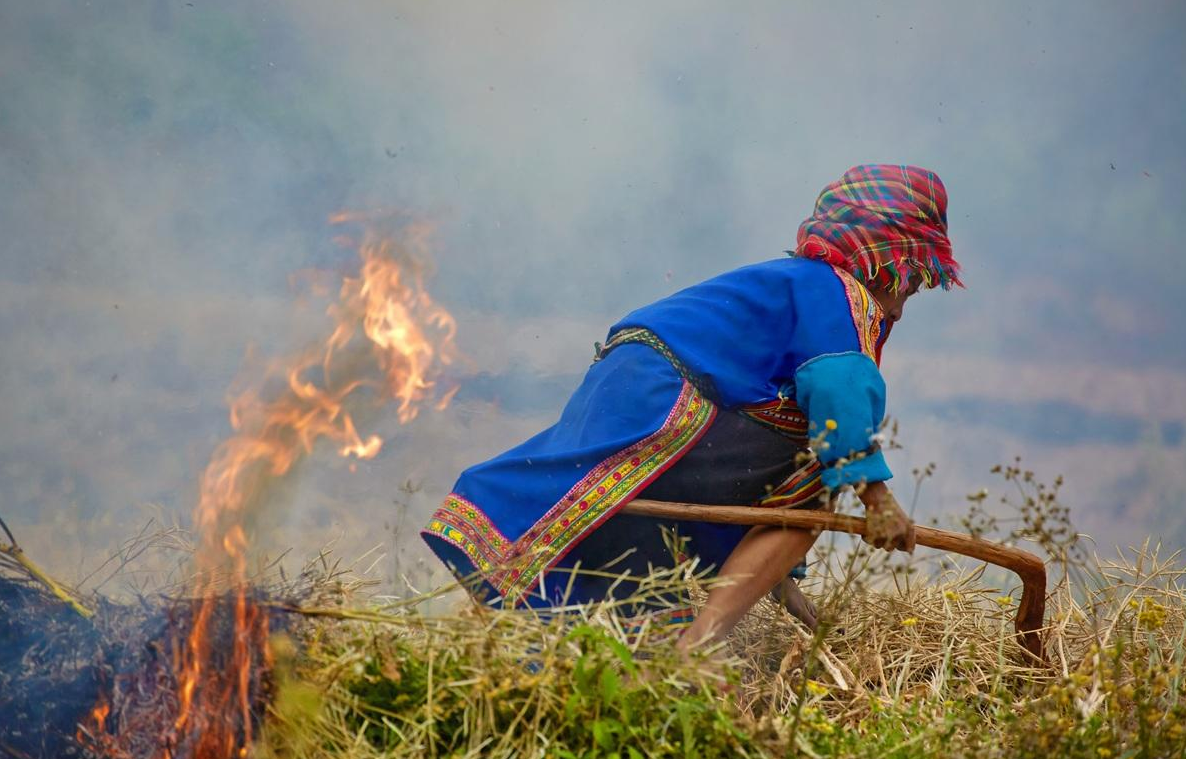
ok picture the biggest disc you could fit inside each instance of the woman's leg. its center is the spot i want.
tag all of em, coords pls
(760, 561)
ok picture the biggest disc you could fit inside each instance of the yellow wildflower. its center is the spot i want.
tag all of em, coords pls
(909, 622)
(830, 424)
(951, 595)
(1152, 614)
(1004, 601)
(817, 688)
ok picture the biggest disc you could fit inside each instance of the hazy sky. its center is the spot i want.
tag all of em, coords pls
(166, 166)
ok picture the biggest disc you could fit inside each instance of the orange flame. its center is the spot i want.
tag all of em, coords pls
(99, 715)
(385, 316)
(92, 732)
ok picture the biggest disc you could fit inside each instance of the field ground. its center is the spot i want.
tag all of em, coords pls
(911, 663)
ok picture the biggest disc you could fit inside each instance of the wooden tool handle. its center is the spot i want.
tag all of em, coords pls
(1028, 567)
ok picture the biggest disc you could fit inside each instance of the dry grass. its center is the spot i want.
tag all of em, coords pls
(913, 659)
(901, 667)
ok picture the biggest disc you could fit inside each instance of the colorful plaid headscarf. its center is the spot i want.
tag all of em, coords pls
(884, 224)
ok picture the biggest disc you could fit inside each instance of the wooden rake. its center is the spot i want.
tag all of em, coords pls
(1028, 567)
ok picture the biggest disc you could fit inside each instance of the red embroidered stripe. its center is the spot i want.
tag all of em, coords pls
(782, 415)
(802, 488)
(660, 618)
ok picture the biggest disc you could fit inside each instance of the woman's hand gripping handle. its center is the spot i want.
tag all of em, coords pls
(888, 526)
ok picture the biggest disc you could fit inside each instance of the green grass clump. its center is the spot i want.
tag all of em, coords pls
(509, 684)
(584, 697)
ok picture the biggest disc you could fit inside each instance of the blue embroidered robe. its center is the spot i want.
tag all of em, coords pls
(793, 343)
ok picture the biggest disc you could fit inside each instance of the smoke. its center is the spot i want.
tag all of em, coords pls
(170, 164)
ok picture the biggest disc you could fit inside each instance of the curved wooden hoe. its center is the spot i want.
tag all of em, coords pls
(1028, 567)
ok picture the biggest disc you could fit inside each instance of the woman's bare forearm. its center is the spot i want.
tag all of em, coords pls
(875, 496)
(759, 562)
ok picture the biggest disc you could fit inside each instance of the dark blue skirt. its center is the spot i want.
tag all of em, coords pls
(738, 461)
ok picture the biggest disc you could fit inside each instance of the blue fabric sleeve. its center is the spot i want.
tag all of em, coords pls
(825, 318)
(846, 388)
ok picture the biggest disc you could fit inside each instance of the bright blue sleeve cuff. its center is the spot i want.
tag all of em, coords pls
(871, 468)
(844, 395)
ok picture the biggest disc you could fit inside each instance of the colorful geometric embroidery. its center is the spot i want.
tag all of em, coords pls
(802, 488)
(600, 494)
(660, 618)
(648, 338)
(463, 525)
(782, 415)
(866, 313)
(676, 616)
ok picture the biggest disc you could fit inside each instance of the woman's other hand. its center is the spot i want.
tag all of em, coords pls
(791, 598)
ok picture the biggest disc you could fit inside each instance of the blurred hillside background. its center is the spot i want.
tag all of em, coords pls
(169, 165)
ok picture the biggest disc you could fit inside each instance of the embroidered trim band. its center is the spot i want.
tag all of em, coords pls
(463, 524)
(803, 488)
(646, 337)
(781, 415)
(866, 313)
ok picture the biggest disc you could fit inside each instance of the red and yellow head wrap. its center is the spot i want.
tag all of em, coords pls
(886, 225)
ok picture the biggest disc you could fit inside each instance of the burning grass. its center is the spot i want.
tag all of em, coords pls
(187, 674)
(83, 676)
